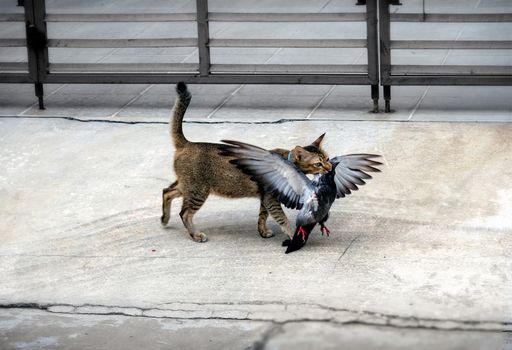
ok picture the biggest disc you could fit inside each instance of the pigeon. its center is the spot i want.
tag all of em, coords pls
(313, 198)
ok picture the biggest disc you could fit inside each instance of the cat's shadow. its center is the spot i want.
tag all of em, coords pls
(246, 231)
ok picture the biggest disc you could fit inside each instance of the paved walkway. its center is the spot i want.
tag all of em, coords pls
(420, 250)
(419, 258)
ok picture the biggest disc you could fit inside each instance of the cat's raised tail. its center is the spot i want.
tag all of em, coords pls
(178, 112)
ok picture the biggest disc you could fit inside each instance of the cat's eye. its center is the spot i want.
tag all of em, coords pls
(318, 165)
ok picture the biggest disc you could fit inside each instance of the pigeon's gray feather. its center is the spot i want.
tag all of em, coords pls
(351, 171)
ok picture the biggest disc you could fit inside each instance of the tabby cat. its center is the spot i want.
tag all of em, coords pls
(201, 170)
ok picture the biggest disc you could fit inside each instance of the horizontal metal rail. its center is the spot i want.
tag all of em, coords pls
(451, 44)
(215, 68)
(451, 70)
(192, 42)
(147, 78)
(122, 43)
(491, 80)
(12, 17)
(290, 43)
(287, 17)
(451, 17)
(13, 67)
(290, 68)
(175, 17)
(212, 16)
(13, 43)
(16, 77)
(124, 67)
(120, 17)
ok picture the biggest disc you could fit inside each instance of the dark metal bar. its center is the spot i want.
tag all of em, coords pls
(451, 17)
(36, 45)
(491, 80)
(123, 43)
(451, 44)
(203, 37)
(31, 51)
(297, 43)
(372, 42)
(124, 67)
(373, 51)
(15, 78)
(143, 78)
(120, 17)
(302, 69)
(286, 17)
(385, 50)
(375, 97)
(387, 98)
(12, 17)
(190, 42)
(452, 70)
(212, 16)
(40, 94)
(385, 41)
(193, 68)
(13, 42)
(13, 67)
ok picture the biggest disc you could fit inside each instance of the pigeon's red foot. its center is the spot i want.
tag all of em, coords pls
(324, 230)
(302, 233)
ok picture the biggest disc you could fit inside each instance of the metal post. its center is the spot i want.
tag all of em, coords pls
(203, 37)
(385, 51)
(37, 45)
(375, 98)
(39, 94)
(373, 51)
(387, 98)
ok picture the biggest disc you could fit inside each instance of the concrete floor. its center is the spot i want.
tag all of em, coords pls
(419, 258)
(421, 255)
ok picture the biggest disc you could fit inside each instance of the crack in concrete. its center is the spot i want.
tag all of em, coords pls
(135, 122)
(338, 316)
(348, 247)
(241, 122)
(270, 333)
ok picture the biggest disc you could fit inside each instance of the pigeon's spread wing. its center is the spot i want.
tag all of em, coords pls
(277, 176)
(351, 171)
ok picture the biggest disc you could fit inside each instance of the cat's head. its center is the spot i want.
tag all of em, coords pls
(312, 159)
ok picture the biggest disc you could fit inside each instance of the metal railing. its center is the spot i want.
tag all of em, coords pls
(379, 68)
(41, 70)
(391, 74)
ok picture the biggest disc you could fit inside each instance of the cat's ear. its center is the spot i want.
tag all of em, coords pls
(318, 142)
(298, 153)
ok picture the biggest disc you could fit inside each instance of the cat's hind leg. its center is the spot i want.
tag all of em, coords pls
(276, 211)
(168, 194)
(264, 231)
(192, 202)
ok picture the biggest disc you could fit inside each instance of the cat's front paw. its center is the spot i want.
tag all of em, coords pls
(164, 219)
(267, 233)
(199, 237)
